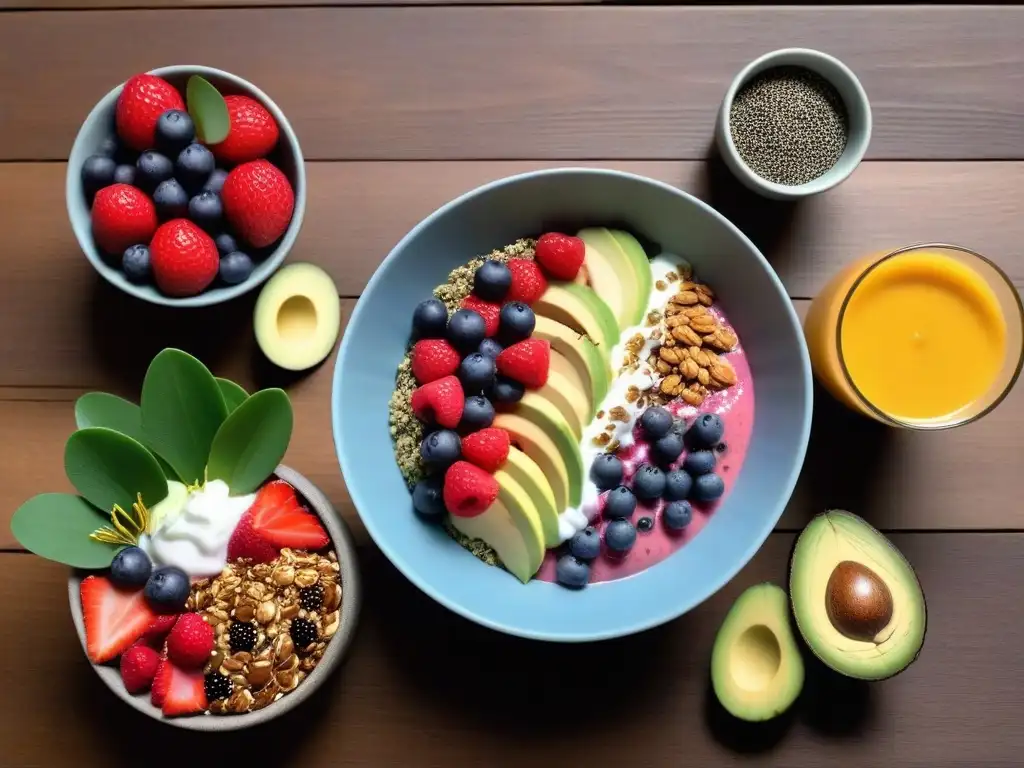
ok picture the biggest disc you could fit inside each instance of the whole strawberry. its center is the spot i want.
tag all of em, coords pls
(253, 133)
(560, 255)
(258, 202)
(141, 102)
(122, 215)
(138, 667)
(190, 642)
(528, 282)
(433, 359)
(183, 258)
(487, 448)
(468, 490)
(439, 402)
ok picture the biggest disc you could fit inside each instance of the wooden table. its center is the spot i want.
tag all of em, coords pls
(401, 108)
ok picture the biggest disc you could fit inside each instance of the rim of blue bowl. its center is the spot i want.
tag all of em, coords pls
(208, 298)
(657, 618)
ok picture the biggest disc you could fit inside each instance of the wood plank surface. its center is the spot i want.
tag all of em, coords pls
(527, 82)
(402, 699)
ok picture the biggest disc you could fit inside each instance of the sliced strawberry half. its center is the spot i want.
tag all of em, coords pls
(178, 691)
(278, 517)
(247, 543)
(114, 617)
(156, 632)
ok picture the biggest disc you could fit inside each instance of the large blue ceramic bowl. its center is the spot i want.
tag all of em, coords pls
(497, 214)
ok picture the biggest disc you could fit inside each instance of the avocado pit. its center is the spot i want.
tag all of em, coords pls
(857, 601)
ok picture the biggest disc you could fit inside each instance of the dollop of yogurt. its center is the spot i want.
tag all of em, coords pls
(195, 537)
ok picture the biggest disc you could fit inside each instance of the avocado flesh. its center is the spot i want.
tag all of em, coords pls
(638, 258)
(525, 471)
(756, 668)
(532, 441)
(834, 537)
(590, 362)
(632, 275)
(550, 421)
(578, 307)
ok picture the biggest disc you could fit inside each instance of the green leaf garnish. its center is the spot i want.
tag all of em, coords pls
(182, 409)
(233, 394)
(99, 409)
(57, 526)
(208, 110)
(110, 469)
(252, 441)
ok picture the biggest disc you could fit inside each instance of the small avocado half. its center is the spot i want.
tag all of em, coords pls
(856, 599)
(756, 668)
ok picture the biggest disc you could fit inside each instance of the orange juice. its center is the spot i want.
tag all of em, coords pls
(920, 337)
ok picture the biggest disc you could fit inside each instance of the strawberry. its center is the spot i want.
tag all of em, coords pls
(433, 359)
(138, 667)
(278, 517)
(468, 490)
(527, 362)
(528, 282)
(488, 310)
(158, 629)
(177, 691)
(190, 642)
(139, 105)
(246, 543)
(114, 617)
(439, 401)
(183, 258)
(122, 215)
(487, 448)
(258, 202)
(560, 255)
(252, 135)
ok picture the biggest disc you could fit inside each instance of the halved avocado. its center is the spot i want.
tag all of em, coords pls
(590, 363)
(539, 411)
(532, 441)
(298, 317)
(578, 307)
(756, 668)
(525, 471)
(613, 273)
(856, 599)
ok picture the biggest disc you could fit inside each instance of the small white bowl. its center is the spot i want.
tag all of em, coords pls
(858, 111)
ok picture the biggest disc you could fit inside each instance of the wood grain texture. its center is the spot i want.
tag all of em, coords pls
(522, 82)
(399, 700)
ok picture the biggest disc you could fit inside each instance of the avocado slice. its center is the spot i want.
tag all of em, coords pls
(525, 471)
(856, 599)
(614, 273)
(532, 441)
(756, 668)
(552, 423)
(571, 402)
(297, 318)
(578, 307)
(638, 259)
(591, 363)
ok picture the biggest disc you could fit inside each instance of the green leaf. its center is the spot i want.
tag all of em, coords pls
(182, 409)
(252, 442)
(208, 110)
(233, 394)
(109, 468)
(57, 526)
(99, 409)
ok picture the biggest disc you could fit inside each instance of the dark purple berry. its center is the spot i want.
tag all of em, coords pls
(171, 200)
(151, 169)
(235, 268)
(97, 173)
(135, 263)
(206, 210)
(174, 131)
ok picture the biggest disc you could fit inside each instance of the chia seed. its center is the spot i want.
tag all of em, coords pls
(789, 125)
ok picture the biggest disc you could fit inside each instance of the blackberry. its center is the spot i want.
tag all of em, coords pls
(242, 636)
(312, 598)
(217, 686)
(303, 632)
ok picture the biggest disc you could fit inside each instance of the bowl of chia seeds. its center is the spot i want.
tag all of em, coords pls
(793, 123)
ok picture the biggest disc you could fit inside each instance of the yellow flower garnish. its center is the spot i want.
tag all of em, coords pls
(125, 527)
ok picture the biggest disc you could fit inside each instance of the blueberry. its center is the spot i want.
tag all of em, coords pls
(619, 503)
(477, 413)
(124, 174)
(135, 263)
(606, 471)
(194, 165)
(572, 572)
(667, 449)
(206, 211)
(699, 462)
(171, 200)
(677, 485)
(706, 431)
(707, 487)
(216, 181)
(441, 449)
(168, 588)
(585, 544)
(174, 131)
(516, 322)
(490, 347)
(655, 422)
(430, 319)
(492, 281)
(108, 147)
(620, 536)
(151, 168)
(466, 329)
(677, 515)
(235, 268)
(130, 567)
(225, 243)
(97, 173)
(645, 524)
(476, 372)
(648, 482)
(427, 498)
(507, 390)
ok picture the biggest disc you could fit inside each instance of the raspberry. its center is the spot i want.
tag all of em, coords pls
(138, 667)
(560, 255)
(439, 401)
(468, 490)
(190, 642)
(528, 282)
(433, 359)
(526, 362)
(487, 448)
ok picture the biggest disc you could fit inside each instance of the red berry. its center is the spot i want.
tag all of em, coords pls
(527, 362)
(114, 617)
(183, 258)
(528, 282)
(488, 310)
(433, 359)
(258, 202)
(252, 135)
(177, 691)
(468, 490)
(190, 642)
(158, 629)
(122, 215)
(487, 448)
(279, 518)
(139, 105)
(440, 401)
(560, 255)
(246, 543)
(138, 667)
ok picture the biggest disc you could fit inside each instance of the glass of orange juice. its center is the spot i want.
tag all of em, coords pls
(929, 336)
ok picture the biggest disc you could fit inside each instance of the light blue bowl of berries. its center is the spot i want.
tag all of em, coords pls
(186, 186)
(571, 404)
